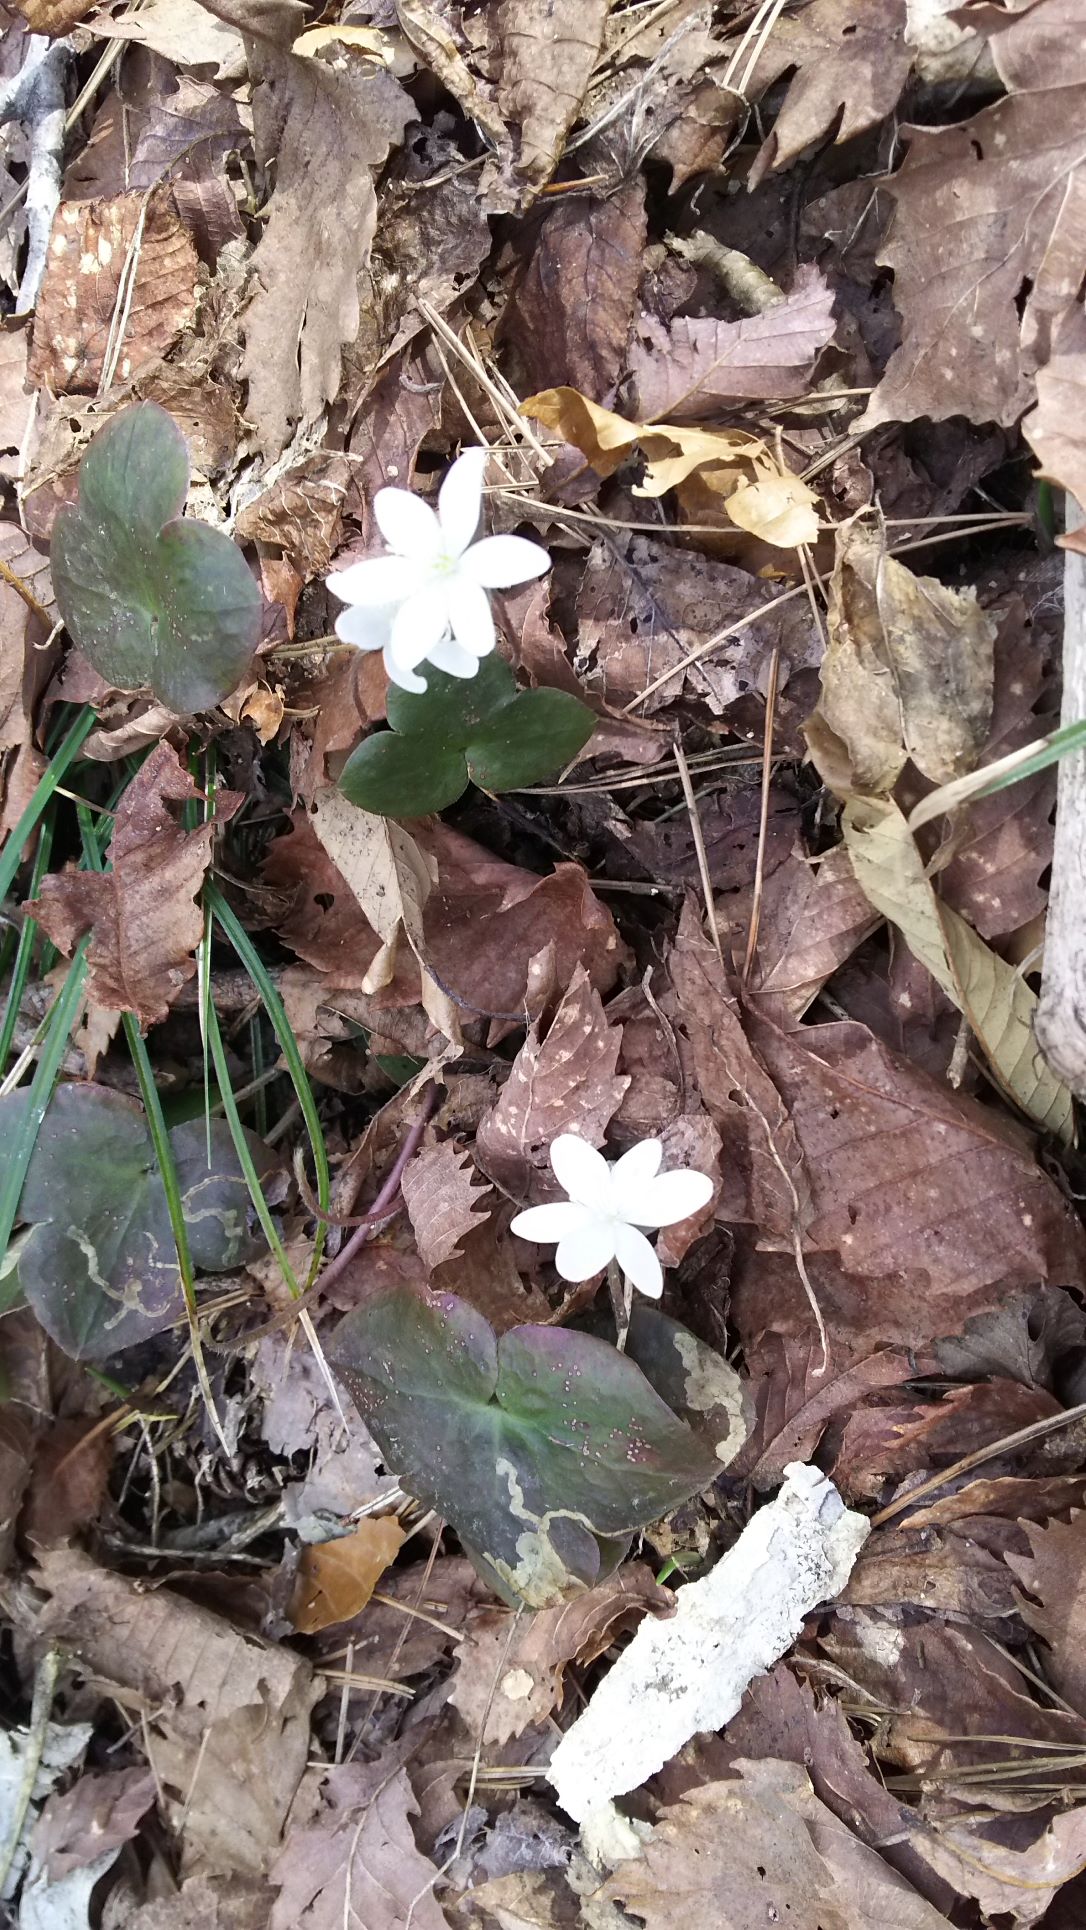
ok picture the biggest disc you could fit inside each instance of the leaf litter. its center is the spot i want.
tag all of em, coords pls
(770, 321)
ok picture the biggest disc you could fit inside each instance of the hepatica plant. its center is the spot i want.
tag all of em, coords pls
(428, 602)
(155, 600)
(608, 1209)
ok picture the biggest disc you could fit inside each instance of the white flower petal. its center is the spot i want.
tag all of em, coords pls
(671, 1198)
(549, 1224)
(500, 562)
(366, 629)
(407, 524)
(450, 656)
(460, 501)
(638, 1261)
(581, 1171)
(377, 580)
(420, 622)
(587, 1251)
(631, 1173)
(406, 678)
(469, 614)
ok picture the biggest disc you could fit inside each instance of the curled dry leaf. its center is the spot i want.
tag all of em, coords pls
(442, 1197)
(691, 370)
(563, 1082)
(991, 994)
(142, 915)
(851, 62)
(336, 1578)
(92, 246)
(529, 1673)
(977, 323)
(908, 672)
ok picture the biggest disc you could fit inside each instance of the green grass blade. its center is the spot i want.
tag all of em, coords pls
(57, 767)
(241, 1147)
(20, 970)
(243, 945)
(1002, 773)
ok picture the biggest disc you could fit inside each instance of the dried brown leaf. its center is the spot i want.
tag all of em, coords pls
(908, 672)
(301, 1418)
(54, 17)
(142, 915)
(336, 1578)
(1054, 1574)
(545, 51)
(99, 1813)
(851, 61)
(442, 1197)
(1054, 429)
(356, 1862)
(301, 512)
(978, 322)
(529, 1672)
(68, 1484)
(92, 244)
(228, 1717)
(814, 915)
(691, 370)
(733, 1853)
(569, 318)
(563, 1082)
(183, 32)
(207, 1903)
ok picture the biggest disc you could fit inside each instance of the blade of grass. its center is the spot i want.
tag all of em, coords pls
(62, 758)
(24, 951)
(234, 930)
(1001, 773)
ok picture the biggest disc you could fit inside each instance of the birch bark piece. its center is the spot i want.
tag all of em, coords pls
(1061, 1015)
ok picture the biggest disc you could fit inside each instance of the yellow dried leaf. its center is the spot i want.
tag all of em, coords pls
(995, 999)
(779, 508)
(336, 1578)
(368, 40)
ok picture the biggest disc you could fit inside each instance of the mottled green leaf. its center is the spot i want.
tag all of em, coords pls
(479, 728)
(155, 601)
(543, 1448)
(99, 1266)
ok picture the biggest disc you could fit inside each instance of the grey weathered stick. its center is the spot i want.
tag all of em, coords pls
(1061, 1015)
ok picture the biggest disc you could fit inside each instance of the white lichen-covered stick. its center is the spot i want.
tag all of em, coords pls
(1061, 1014)
(36, 97)
(689, 1673)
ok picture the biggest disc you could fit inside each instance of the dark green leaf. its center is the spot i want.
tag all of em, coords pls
(154, 601)
(462, 728)
(100, 1266)
(537, 1447)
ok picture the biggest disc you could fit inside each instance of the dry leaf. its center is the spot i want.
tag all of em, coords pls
(142, 915)
(851, 61)
(814, 915)
(991, 994)
(908, 672)
(391, 881)
(356, 1862)
(183, 32)
(207, 1903)
(565, 1082)
(336, 1578)
(442, 1200)
(228, 1717)
(93, 243)
(764, 1849)
(544, 51)
(1054, 1574)
(697, 366)
(1054, 428)
(569, 318)
(99, 1813)
(301, 512)
(977, 322)
(513, 1685)
(54, 17)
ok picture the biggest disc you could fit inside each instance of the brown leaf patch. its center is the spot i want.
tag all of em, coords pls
(569, 319)
(336, 1578)
(142, 915)
(99, 1813)
(442, 1197)
(92, 242)
(851, 60)
(301, 512)
(357, 1861)
(545, 51)
(696, 366)
(1054, 1574)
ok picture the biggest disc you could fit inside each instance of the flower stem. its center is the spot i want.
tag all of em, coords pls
(621, 1292)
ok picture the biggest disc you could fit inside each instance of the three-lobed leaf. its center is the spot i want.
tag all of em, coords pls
(480, 729)
(99, 1265)
(154, 600)
(544, 1448)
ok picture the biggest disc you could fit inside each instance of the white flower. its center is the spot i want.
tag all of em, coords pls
(606, 1207)
(428, 602)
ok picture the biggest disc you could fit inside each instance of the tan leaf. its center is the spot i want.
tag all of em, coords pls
(356, 1861)
(142, 915)
(545, 50)
(391, 880)
(851, 63)
(565, 1082)
(1012, 177)
(1054, 1574)
(336, 1578)
(780, 509)
(995, 998)
(208, 1903)
(529, 1673)
(99, 1813)
(301, 512)
(736, 1853)
(814, 915)
(442, 1199)
(93, 245)
(54, 17)
(691, 370)
(228, 1715)
(908, 672)
(1055, 428)
(181, 31)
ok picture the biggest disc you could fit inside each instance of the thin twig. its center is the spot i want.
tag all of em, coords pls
(45, 1683)
(763, 814)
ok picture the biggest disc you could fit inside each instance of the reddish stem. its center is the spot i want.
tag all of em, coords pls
(383, 1206)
